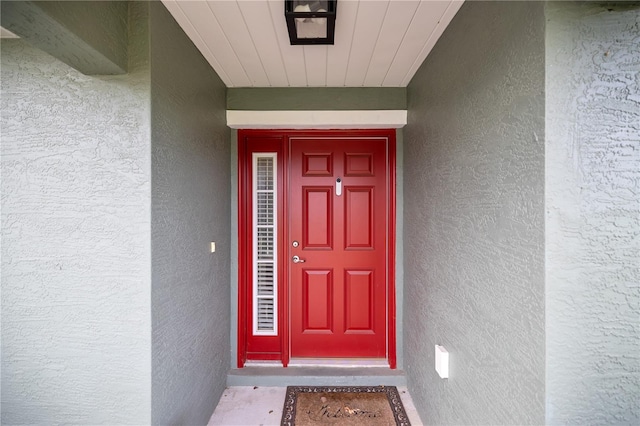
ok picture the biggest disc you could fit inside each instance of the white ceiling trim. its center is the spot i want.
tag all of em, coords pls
(353, 119)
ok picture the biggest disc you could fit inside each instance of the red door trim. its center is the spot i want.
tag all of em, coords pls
(244, 250)
(242, 255)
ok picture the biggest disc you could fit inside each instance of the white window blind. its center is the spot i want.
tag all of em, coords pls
(265, 254)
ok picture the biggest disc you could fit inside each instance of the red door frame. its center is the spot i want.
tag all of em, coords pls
(244, 232)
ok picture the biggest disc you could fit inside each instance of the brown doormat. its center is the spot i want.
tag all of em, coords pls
(343, 405)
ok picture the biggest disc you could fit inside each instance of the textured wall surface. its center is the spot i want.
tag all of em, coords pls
(474, 219)
(593, 213)
(190, 208)
(76, 312)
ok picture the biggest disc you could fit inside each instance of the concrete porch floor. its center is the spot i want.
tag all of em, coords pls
(249, 405)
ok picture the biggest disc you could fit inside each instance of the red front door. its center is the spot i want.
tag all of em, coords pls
(326, 197)
(338, 228)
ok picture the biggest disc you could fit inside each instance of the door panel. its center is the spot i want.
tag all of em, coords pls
(358, 165)
(317, 164)
(338, 305)
(359, 298)
(317, 301)
(359, 218)
(317, 209)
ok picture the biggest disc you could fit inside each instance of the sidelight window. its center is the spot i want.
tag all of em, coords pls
(265, 266)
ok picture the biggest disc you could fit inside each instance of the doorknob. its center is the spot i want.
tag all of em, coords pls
(296, 259)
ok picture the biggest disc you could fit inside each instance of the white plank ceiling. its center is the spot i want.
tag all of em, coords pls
(378, 43)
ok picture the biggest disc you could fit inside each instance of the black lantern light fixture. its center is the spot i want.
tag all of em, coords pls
(310, 21)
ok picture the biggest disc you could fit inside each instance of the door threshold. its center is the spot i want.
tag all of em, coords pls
(252, 363)
(339, 362)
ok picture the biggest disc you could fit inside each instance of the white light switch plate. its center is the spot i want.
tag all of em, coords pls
(213, 247)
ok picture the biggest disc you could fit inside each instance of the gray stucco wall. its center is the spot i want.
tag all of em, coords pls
(593, 213)
(474, 219)
(76, 309)
(190, 208)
